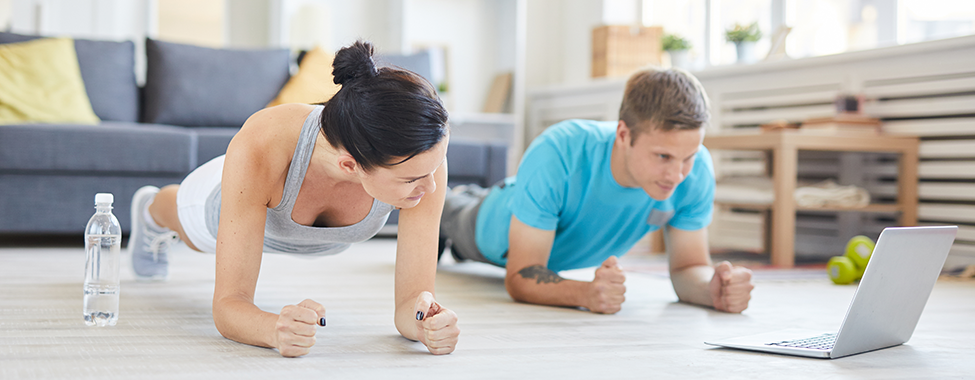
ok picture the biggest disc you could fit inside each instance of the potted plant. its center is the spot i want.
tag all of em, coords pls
(677, 47)
(744, 37)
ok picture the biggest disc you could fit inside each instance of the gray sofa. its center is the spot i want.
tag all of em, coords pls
(194, 101)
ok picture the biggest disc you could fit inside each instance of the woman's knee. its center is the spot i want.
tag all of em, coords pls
(163, 207)
(165, 210)
(169, 191)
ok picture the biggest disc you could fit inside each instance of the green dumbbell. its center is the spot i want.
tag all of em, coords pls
(859, 249)
(842, 270)
(849, 268)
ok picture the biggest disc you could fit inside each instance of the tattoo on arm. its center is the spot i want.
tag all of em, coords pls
(540, 274)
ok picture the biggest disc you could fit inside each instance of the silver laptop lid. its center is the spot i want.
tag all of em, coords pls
(894, 289)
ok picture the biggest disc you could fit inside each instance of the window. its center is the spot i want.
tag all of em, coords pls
(686, 19)
(922, 20)
(725, 14)
(819, 27)
(835, 26)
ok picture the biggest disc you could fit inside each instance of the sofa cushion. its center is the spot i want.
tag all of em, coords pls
(61, 203)
(108, 70)
(196, 86)
(212, 142)
(40, 83)
(110, 147)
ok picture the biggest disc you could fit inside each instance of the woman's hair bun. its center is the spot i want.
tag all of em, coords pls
(353, 62)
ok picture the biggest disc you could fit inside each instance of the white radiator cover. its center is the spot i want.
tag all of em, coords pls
(925, 89)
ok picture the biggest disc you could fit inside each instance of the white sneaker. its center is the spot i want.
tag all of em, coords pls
(148, 246)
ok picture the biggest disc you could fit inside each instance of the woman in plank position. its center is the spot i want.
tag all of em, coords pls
(310, 180)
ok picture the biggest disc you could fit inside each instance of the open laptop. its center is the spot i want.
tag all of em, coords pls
(886, 306)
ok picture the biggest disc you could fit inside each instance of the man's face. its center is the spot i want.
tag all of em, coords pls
(657, 161)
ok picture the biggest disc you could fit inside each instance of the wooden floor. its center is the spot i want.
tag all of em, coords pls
(166, 331)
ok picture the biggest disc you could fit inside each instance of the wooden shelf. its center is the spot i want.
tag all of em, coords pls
(809, 141)
(885, 208)
(784, 146)
(882, 208)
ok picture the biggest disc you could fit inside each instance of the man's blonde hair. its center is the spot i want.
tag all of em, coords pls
(664, 99)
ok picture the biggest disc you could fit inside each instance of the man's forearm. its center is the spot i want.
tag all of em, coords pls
(539, 285)
(691, 284)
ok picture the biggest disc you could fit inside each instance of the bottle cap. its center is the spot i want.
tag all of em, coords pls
(104, 198)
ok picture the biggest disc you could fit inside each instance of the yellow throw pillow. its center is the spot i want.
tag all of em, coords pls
(40, 83)
(313, 82)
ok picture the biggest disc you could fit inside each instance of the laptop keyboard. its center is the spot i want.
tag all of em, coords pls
(822, 342)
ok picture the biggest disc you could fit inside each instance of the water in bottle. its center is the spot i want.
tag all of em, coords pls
(103, 242)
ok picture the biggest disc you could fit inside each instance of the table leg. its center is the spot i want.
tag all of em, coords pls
(907, 187)
(784, 171)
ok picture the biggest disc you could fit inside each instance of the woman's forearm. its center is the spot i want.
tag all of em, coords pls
(405, 318)
(242, 321)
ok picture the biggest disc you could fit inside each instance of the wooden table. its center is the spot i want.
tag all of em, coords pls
(785, 145)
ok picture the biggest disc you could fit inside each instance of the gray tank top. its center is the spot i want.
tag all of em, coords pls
(281, 233)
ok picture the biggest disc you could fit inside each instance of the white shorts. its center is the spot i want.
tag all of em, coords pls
(191, 201)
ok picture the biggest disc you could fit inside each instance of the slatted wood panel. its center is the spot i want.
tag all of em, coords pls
(941, 110)
(600, 101)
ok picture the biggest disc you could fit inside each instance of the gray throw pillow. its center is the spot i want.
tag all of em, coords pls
(196, 86)
(108, 70)
(420, 63)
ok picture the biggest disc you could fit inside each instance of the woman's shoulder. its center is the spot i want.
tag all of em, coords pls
(269, 136)
(279, 117)
(274, 125)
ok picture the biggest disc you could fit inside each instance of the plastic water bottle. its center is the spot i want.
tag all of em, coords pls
(103, 244)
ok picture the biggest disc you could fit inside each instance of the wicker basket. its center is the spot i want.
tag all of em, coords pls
(620, 50)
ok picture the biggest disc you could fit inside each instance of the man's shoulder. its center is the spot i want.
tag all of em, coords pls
(703, 164)
(580, 128)
(576, 135)
(699, 181)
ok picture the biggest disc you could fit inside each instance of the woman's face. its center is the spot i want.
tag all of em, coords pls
(405, 184)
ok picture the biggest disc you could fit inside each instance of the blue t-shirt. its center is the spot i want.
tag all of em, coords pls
(565, 184)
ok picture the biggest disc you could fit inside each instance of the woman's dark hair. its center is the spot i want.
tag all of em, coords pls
(382, 117)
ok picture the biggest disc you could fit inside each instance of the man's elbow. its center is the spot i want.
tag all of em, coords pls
(514, 289)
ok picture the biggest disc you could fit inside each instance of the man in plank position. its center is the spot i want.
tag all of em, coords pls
(587, 191)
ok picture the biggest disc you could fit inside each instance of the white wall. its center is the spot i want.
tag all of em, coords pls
(332, 24)
(559, 41)
(479, 35)
(248, 24)
(106, 19)
(196, 22)
(479, 40)
(118, 20)
(4, 14)
(543, 47)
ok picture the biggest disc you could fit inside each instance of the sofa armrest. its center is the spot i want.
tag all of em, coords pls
(479, 162)
(470, 161)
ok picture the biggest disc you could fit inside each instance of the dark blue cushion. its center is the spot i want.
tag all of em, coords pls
(195, 86)
(62, 203)
(212, 142)
(108, 70)
(111, 147)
